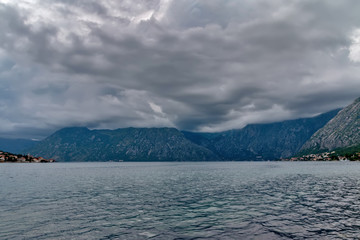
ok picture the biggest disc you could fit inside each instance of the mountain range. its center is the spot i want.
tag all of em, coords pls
(253, 142)
(262, 141)
(127, 144)
(332, 130)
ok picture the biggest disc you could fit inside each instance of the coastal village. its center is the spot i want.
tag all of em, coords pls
(6, 157)
(326, 156)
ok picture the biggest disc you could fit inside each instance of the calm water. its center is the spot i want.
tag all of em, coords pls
(231, 200)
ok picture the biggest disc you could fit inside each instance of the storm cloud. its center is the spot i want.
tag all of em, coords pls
(208, 65)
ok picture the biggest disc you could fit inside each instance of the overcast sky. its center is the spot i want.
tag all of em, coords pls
(208, 65)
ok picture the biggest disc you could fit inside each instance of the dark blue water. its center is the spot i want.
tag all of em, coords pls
(230, 200)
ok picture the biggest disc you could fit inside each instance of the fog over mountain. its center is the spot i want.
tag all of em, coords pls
(209, 65)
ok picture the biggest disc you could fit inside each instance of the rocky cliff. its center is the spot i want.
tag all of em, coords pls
(341, 131)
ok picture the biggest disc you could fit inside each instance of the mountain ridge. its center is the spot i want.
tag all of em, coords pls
(124, 144)
(253, 142)
(267, 141)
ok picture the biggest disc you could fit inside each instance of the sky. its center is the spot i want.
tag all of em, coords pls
(205, 65)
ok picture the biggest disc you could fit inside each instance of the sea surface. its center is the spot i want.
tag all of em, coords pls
(182, 200)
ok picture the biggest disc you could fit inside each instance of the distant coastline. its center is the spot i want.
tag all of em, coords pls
(327, 156)
(6, 157)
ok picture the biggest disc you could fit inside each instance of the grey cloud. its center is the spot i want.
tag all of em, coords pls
(209, 65)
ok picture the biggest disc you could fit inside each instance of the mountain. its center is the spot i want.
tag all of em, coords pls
(128, 144)
(341, 131)
(16, 145)
(254, 142)
(262, 141)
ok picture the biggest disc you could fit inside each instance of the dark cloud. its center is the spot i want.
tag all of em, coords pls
(196, 65)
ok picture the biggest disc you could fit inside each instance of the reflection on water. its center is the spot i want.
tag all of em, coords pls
(229, 200)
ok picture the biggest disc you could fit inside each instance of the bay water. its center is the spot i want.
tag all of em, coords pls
(180, 200)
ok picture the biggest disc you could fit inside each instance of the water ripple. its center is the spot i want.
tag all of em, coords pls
(180, 201)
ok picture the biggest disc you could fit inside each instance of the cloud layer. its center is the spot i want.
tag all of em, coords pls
(196, 65)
